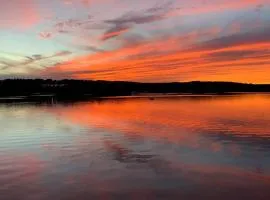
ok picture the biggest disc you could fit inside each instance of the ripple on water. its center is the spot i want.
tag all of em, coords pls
(170, 148)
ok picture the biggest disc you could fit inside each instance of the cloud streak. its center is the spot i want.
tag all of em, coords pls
(28, 63)
(229, 58)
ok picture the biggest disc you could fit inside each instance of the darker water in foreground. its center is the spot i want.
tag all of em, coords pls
(166, 148)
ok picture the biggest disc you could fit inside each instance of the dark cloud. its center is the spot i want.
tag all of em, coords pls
(130, 19)
(62, 53)
(159, 7)
(234, 55)
(88, 48)
(115, 31)
(36, 57)
(136, 18)
(259, 7)
(132, 39)
(238, 39)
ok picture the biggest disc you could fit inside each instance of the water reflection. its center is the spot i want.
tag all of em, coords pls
(162, 148)
(122, 154)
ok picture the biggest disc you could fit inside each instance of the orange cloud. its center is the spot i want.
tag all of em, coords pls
(243, 58)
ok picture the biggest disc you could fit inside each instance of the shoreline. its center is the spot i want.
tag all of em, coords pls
(52, 98)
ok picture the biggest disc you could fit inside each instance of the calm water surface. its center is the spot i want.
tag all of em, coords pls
(166, 148)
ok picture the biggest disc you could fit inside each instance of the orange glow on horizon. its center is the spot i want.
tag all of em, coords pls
(136, 63)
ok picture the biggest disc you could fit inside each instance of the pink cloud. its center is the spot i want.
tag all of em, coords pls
(19, 13)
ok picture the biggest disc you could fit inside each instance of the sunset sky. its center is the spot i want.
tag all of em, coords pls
(136, 40)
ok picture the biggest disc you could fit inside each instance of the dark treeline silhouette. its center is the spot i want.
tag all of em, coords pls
(75, 89)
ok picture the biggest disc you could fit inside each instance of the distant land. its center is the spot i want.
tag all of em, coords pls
(82, 89)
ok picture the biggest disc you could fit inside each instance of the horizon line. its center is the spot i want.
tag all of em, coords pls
(194, 81)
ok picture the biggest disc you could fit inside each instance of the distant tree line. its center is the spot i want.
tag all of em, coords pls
(73, 89)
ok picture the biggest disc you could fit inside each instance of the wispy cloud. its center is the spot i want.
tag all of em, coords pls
(229, 58)
(26, 63)
(125, 22)
(112, 27)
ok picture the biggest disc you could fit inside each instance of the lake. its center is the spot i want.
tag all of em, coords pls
(182, 147)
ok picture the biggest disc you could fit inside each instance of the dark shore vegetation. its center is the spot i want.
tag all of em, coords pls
(81, 89)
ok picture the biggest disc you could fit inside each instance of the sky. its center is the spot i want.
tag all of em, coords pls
(136, 40)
